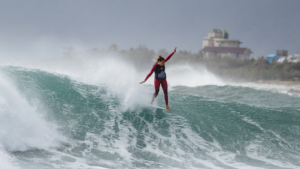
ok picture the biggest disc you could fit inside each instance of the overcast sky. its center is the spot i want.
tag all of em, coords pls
(39, 26)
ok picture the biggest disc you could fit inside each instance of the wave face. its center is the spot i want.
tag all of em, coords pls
(50, 120)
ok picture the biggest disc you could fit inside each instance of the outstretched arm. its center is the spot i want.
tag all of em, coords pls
(169, 57)
(152, 70)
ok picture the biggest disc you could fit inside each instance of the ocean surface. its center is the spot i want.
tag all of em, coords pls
(67, 119)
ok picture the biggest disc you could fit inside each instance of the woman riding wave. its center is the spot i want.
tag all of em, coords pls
(160, 77)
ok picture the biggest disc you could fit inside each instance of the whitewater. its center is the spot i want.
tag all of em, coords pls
(92, 113)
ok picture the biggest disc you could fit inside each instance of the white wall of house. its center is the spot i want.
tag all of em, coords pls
(245, 55)
(220, 42)
(231, 55)
(214, 54)
(226, 43)
(207, 42)
(229, 44)
(209, 54)
(215, 35)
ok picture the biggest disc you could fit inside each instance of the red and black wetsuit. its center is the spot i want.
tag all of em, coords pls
(160, 78)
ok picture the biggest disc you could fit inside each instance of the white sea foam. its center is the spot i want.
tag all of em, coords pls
(6, 161)
(21, 126)
(121, 77)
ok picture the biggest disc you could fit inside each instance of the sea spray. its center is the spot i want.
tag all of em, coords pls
(191, 76)
(7, 161)
(21, 126)
(122, 76)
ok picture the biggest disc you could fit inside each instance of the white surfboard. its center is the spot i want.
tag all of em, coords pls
(157, 107)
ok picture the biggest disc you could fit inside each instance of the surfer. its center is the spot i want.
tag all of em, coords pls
(160, 77)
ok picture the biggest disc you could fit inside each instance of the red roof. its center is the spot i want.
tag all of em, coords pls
(225, 49)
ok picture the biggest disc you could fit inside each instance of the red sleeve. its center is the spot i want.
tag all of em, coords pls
(169, 57)
(152, 70)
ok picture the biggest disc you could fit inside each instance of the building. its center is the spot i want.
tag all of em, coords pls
(282, 53)
(272, 57)
(281, 60)
(294, 58)
(218, 44)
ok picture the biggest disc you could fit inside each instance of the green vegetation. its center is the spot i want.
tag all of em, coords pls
(226, 34)
(253, 69)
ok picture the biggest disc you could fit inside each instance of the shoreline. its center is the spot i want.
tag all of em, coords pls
(272, 82)
(289, 87)
(278, 82)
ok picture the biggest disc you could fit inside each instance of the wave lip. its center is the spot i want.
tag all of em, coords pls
(21, 126)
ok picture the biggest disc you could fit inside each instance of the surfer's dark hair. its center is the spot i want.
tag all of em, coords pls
(160, 58)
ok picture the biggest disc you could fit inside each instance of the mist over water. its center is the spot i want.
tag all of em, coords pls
(87, 110)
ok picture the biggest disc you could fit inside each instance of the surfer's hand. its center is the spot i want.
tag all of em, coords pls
(175, 49)
(143, 81)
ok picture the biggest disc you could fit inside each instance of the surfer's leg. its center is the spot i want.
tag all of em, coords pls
(164, 85)
(156, 86)
(165, 89)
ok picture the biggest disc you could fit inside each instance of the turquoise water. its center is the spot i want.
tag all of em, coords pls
(54, 121)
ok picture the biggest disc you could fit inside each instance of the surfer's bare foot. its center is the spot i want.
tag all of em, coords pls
(167, 107)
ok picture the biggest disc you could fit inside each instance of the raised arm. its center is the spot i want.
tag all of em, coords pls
(151, 72)
(169, 57)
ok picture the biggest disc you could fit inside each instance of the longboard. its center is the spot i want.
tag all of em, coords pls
(157, 107)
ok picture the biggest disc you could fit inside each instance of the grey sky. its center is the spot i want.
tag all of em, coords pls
(262, 25)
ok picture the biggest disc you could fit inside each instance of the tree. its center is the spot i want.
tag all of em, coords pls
(226, 34)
